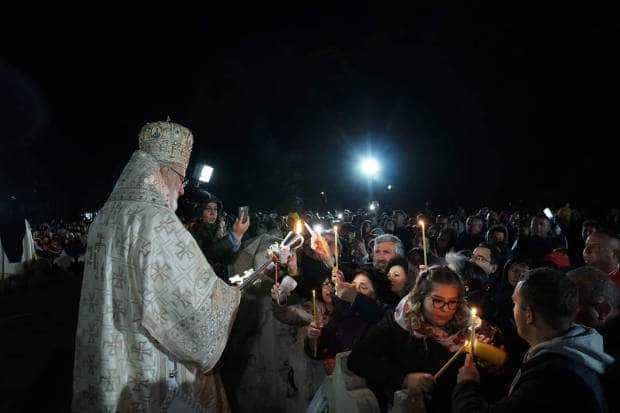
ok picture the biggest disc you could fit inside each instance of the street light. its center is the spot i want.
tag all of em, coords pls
(370, 167)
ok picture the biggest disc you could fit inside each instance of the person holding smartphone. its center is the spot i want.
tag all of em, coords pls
(218, 243)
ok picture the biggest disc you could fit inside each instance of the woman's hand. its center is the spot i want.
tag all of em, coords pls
(275, 292)
(314, 331)
(418, 383)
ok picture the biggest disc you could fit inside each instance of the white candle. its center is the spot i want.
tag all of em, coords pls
(449, 362)
(316, 321)
(424, 248)
(314, 305)
(336, 244)
(473, 331)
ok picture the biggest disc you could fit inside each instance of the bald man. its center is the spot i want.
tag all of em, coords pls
(602, 251)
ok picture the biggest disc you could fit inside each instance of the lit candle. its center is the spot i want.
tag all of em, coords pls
(314, 318)
(424, 248)
(336, 244)
(276, 283)
(326, 252)
(473, 331)
(314, 306)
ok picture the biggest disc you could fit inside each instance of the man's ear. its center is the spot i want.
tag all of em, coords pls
(530, 317)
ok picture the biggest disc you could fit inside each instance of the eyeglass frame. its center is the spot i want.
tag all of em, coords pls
(443, 304)
(184, 179)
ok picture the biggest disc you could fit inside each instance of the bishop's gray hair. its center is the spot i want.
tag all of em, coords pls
(399, 249)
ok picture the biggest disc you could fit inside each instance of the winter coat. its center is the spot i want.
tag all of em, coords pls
(561, 375)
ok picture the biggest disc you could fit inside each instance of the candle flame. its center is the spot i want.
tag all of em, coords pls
(298, 227)
(473, 311)
(421, 223)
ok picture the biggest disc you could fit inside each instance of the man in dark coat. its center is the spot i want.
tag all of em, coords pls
(561, 370)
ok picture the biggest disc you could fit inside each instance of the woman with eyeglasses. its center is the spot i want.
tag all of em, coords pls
(410, 345)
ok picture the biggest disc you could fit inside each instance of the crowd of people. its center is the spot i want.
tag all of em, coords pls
(509, 310)
(59, 248)
(402, 315)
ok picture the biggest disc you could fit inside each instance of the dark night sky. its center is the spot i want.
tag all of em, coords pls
(465, 104)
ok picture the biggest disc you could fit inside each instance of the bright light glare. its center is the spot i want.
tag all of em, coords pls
(340, 216)
(205, 174)
(372, 206)
(318, 228)
(370, 167)
(299, 228)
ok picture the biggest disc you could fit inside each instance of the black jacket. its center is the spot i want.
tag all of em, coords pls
(468, 242)
(219, 251)
(388, 353)
(535, 248)
(347, 325)
(547, 383)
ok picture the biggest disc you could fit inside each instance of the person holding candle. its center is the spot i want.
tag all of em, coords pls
(400, 282)
(322, 309)
(385, 248)
(408, 346)
(354, 311)
(561, 370)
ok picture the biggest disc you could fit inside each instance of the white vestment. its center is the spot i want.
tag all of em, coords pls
(153, 315)
(8, 269)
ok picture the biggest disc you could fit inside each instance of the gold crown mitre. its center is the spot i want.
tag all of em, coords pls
(169, 143)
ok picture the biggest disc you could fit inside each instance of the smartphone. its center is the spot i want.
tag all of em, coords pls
(244, 213)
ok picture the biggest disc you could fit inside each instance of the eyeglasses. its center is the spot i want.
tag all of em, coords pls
(184, 180)
(481, 259)
(440, 304)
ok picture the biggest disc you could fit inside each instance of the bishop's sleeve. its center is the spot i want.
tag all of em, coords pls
(177, 298)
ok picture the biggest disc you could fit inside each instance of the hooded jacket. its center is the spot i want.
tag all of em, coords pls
(562, 374)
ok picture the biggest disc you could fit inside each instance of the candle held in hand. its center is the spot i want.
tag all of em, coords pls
(472, 326)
